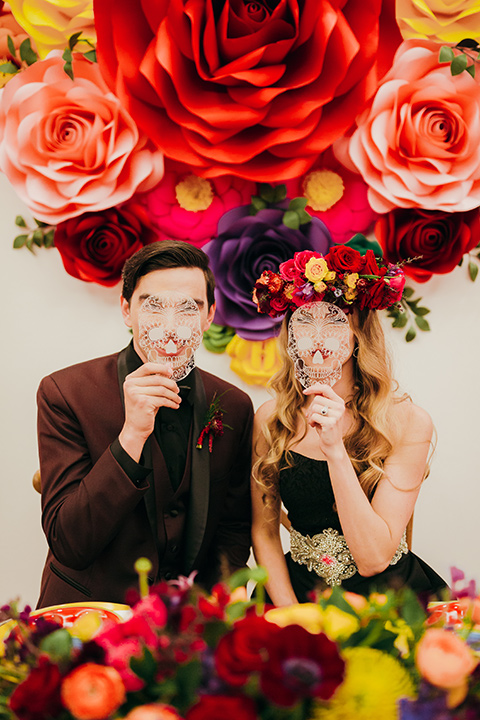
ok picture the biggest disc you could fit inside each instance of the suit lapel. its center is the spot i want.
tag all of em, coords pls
(200, 480)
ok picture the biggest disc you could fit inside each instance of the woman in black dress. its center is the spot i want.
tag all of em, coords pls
(338, 446)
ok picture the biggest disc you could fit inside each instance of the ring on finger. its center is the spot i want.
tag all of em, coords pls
(324, 410)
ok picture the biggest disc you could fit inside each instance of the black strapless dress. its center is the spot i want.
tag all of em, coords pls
(317, 540)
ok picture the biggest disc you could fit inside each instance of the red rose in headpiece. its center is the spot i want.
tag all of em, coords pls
(238, 87)
(344, 259)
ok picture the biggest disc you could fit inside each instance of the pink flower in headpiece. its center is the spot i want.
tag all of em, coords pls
(68, 146)
(336, 195)
(186, 207)
(418, 143)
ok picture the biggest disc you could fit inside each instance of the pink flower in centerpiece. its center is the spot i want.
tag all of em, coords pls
(186, 207)
(444, 659)
(418, 143)
(68, 146)
(335, 195)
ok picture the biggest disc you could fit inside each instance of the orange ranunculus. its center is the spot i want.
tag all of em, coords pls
(69, 147)
(243, 88)
(93, 692)
(443, 659)
(153, 711)
(418, 143)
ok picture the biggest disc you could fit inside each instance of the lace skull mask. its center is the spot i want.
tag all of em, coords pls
(170, 331)
(318, 343)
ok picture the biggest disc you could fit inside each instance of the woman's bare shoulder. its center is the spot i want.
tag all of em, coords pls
(265, 411)
(412, 421)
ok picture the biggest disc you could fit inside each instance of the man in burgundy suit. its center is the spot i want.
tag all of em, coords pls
(122, 476)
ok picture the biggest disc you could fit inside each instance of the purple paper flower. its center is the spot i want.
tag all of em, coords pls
(245, 246)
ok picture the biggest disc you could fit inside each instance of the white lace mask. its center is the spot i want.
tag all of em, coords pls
(318, 343)
(170, 331)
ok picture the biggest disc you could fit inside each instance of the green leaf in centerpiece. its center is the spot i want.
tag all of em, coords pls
(411, 334)
(145, 667)
(422, 323)
(58, 645)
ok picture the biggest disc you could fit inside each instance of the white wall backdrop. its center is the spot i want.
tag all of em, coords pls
(50, 320)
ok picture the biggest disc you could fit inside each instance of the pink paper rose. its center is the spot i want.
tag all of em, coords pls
(67, 146)
(335, 195)
(186, 207)
(418, 143)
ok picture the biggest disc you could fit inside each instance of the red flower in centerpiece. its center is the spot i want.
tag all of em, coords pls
(434, 241)
(240, 652)
(241, 88)
(38, 696)
(94, 246)
(300, 665)
(219, 707)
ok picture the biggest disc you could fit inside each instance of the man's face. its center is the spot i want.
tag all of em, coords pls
(167, 289)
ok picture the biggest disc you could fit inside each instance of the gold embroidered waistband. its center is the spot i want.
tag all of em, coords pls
(328, 554)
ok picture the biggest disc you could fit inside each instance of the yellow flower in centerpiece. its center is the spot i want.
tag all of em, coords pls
(440, 20)
(404, 634)
(255, 361)
(351, 280)
(316, 269)
(50, 23)
(374, 682)
(307, 615)
(339, 625)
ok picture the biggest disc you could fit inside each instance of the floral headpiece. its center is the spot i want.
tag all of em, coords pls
(343, 277)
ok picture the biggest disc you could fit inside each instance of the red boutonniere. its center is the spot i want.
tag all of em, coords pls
(214, 425)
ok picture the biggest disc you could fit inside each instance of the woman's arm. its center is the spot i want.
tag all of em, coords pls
(373, 530)
(266, 541)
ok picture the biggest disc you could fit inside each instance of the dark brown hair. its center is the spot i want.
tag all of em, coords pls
(161, 255)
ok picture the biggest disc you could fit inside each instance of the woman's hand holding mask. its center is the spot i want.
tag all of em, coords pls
(326, 414)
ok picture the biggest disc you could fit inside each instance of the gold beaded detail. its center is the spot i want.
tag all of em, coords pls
(328, 554)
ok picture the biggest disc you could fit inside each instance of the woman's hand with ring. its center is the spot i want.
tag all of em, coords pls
(325, 413)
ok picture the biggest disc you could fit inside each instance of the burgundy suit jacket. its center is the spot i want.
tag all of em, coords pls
(95, 518)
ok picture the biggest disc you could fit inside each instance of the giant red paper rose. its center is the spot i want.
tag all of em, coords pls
(254, 89)
(418, 144)
(68, 146)
(434, 242)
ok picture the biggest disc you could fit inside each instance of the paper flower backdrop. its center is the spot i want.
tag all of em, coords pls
(202, 119)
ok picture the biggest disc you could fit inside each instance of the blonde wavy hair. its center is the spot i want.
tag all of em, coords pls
(371, 438)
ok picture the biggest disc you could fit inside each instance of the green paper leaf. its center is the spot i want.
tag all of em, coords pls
(37, 237)
(471, 70)
(20, 221)
(20, 241)
(26, 53)
(91, 55)
(304, 217)
(400, 320)
(472, 270)
(411, 334)
(422, 323)
(446, 54)
(11, 46)
(267, 192)
(9, 68)
(73, 39)
(29, 243)
(280, 193)
(48, 240)
(458, 64)
(298, 203)
(407, 292)
(421, 311)
(291, 219)
(362, 244)
(258, 203)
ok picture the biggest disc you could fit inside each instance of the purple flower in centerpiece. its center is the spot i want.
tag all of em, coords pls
(245, 246)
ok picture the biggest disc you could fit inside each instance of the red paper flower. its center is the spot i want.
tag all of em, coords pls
(437, 240)
(219, 707)
(300, 665)
(253, 89)
(241, 651)
(94, 246)
(38, 696)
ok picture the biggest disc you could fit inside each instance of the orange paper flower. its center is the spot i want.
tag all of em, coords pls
(93, 692)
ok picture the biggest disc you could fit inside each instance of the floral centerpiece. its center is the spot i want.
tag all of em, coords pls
(185, 654)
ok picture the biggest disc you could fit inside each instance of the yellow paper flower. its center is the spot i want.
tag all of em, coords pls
(307, 615)
(316, 269)
(374, 682)
(255, 361)
(440, 20)
(194, 193)
(50, 23)
(323, 189)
